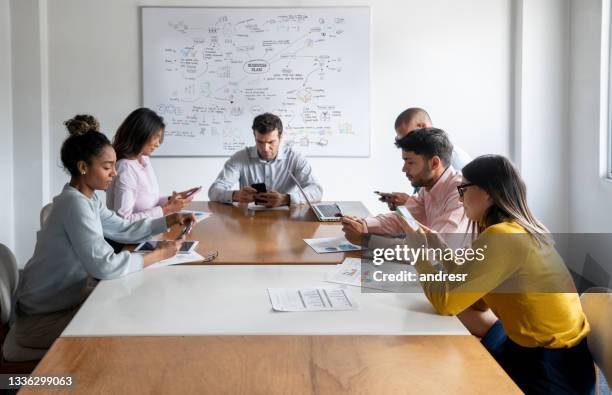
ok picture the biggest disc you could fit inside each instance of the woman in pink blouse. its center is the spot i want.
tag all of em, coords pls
(134, 192)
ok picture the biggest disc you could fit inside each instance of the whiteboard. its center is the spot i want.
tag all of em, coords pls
(210, 71)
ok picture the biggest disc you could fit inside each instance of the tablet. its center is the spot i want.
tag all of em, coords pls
(148, 246)
(405, 214)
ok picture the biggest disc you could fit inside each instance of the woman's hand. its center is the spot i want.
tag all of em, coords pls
(434, 240)
(175, 203)
(180, 219)
(190, 193)
(165, 249)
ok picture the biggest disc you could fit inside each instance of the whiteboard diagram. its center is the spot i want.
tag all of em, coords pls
(210, 71)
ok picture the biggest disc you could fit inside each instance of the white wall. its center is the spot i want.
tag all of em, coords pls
(590, 191)
(30, 96)
(6, 130)
(415, 61)
(455, 58)
(542, 123)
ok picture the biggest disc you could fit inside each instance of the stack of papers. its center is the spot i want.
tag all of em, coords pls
(256, 207)
(331, 244)
(178, 259)
(311, 299)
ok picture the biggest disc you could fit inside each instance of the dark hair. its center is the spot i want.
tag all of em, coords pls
(497, 176)
(135, 132)
(429, 142)
(266, 123)
(407, 116)
(84, 143)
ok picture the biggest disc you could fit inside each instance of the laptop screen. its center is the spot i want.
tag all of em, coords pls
(301, 190)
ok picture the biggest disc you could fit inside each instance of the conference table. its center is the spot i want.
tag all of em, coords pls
(210, 328)
(256, 236)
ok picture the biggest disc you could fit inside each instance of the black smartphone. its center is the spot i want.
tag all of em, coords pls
(192, 191)
(260, 187)
(384, 196)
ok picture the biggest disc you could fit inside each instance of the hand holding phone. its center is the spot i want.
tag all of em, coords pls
(384, 196)
(185, 230)
(190, 192)
(260, 187)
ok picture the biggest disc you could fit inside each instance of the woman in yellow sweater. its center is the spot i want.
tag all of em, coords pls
(540, 337)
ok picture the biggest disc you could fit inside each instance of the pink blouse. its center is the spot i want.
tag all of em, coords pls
(134, 192)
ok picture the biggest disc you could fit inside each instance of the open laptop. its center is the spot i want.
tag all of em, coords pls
(325, 212)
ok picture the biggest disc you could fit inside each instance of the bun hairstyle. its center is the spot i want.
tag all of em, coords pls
(83, 143)
(81, 124)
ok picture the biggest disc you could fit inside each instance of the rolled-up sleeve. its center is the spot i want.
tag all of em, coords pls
(390, 223)
(221, 189)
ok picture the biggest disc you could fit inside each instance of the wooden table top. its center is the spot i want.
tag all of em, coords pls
(275, 365)
(266, 237)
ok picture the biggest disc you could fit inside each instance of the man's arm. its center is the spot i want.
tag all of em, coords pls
(389, 223)
(221, 190)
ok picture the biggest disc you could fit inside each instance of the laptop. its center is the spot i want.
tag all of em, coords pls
(325, 212)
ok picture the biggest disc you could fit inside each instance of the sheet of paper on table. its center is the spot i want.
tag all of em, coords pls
(311, 299)
(326, 245)
(178, 259)
(256, 207)
(350, 272)
(200, 215)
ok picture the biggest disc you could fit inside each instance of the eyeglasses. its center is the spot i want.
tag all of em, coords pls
(462, 187)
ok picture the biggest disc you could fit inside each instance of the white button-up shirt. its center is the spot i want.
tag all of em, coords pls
(245, 167)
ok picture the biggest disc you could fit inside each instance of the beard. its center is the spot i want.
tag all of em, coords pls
(422, 179)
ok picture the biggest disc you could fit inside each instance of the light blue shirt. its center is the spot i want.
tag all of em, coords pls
(71, 246)
(460, 158)
(245, 167)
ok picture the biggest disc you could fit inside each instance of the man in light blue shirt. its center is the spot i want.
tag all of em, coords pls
(267, 162)
(412, 119)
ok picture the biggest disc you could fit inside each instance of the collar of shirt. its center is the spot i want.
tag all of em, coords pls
(440, 189)
(281, 155)
(143, 161)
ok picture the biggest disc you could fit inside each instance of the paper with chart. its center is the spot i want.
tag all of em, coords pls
(178, 259)
(358, 273)
(311, 299)
(210, 71)
(199, 215)
(325, 245)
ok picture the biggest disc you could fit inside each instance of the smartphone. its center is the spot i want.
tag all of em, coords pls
(403, 212)
(384, 196)
(193, 191)
(260, 187)
(148, 246)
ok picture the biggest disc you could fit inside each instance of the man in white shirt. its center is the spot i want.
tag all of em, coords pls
(267, 162)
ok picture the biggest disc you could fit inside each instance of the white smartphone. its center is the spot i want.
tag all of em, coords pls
(186, 247)
(403, 212)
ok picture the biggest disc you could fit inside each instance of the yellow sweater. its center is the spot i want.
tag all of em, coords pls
(526, 285)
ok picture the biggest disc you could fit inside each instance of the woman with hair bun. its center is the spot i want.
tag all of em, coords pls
(134, 193)
(71, 247)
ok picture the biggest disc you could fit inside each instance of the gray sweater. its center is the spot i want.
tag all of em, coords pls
(71, 246)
